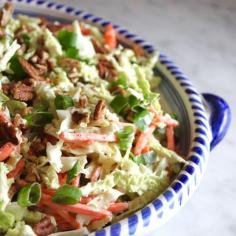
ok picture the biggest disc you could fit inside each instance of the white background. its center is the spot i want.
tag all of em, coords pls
(200, 36)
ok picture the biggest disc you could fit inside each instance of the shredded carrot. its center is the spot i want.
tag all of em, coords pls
(67, 218)
(78, 137)
(170, 138)
(18, 169)
(110, 37)
(158, 118)
(75, 181)
(21, 182)
(49, 191)
(118, 207)
(6, 150)
(146, 149)
(85, 200)
(96, 173)
(85, 30)
(62, 178)
(79, 144)
(77, 208)
(62, 224)
(142, 139)
(64, 214)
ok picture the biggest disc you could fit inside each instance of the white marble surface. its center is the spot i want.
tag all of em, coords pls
(200, 37)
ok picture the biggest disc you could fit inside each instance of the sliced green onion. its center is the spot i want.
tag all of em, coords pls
(67, 194)
(67, 39)
(15, 66)
(147, 158)
(142, 119)
(15, 106)
(125, 137)
(122, 81)
(26, 39)
(73, 172)
(29, 195)
(39, 118)
(134, 102)
(119, 103)
(3, 97)
(63, 102)
(174, 116)
(72, 53)
(42, 105)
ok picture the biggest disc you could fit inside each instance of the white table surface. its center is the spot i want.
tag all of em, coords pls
(200, 37)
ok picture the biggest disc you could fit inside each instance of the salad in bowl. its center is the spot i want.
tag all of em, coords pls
(84, 140)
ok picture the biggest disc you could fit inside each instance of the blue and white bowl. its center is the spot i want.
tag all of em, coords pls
(204, 120)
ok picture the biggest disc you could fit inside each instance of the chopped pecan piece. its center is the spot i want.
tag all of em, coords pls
(49, 138)
(5, 14)
(38, 148)
(30, 70)
(42, 69)
(8, 132)
(139, 52)
(44, 227)
(73, 74)
(30, 177)
(34, 59)
(78, 117)
(22, 92)
(69, 63)
(117, 90)
(12, 191)
(99, 110)
(83, 101)
(50, 64)
(44, 55)
(2, 33)
(6, 88)
(106, 70)
(98, 48)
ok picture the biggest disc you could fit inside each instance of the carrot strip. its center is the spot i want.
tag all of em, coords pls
(118, 207)
(75, 181)
(85, 200)
(65, 215)
(158, 118)
(21, 182)
(6, 150)
(78, 137)
(146, 149)
(142, 139)
(18, 169)
(49, 191)
(62, 224)
(170, 138)
(62, 178)
(110, 37)
(67, 218)
(80, 144)
(84, 30)
(76, 208)
(96, 173)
